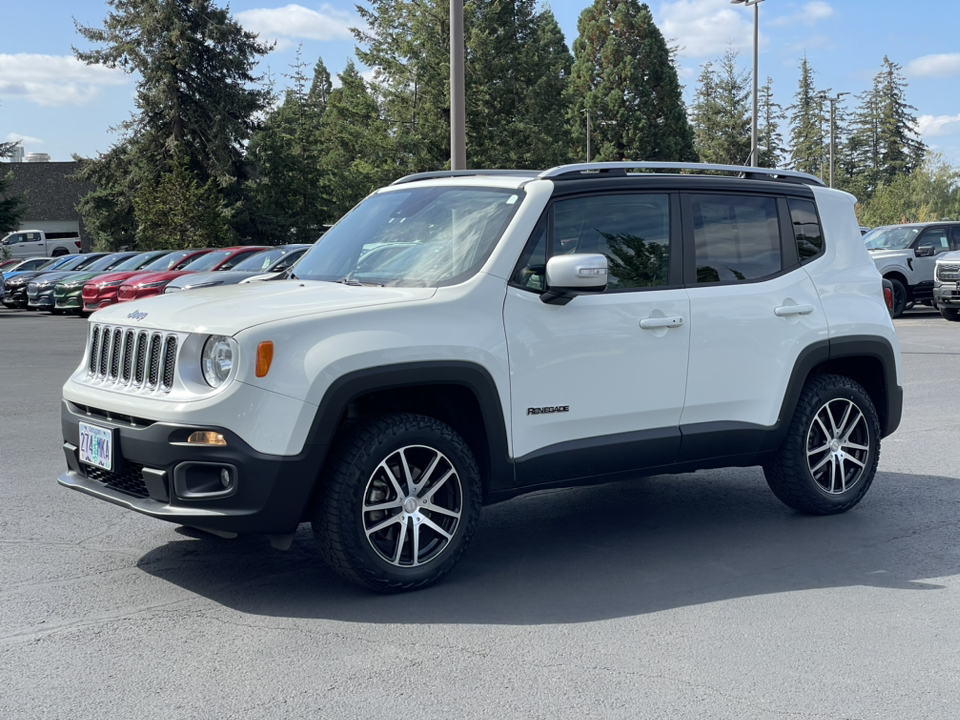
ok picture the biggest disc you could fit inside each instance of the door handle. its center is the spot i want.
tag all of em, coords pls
(787, 310)
(660, 322)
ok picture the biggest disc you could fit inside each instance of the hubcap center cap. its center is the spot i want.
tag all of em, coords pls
(835, 445)
(410, 505)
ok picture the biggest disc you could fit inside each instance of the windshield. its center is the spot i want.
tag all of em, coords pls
(208, 261)
(109, 262)
(168, 261)
(890, 238)
(413, 237)
(260, 262)
(138, 261)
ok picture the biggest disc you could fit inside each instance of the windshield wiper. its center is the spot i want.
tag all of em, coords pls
(356, 283)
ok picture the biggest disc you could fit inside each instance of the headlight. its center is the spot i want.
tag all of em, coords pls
(217, 360)
(159, 283)
(115, 283)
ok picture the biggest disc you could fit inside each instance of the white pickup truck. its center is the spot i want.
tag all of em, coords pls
(33, 243)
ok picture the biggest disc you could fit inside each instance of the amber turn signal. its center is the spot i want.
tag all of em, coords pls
(264, 358)
(206, 437)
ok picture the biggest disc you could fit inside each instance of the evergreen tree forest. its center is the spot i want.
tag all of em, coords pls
(213, 154)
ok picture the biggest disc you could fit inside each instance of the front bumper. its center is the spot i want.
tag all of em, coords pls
(156, 473)
(16, 298)
(68, 301)
(40, 300)
(947, 294)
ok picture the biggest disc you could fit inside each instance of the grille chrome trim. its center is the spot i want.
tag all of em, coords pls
(132, 360)
(948, 271)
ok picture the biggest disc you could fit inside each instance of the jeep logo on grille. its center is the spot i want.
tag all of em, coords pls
(137, 315)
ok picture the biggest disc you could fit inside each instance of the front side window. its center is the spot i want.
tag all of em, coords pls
(413, 237)
(631, 229)
(936, 238)
(736, 237)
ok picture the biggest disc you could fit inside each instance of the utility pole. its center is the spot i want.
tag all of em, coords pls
(458, 111)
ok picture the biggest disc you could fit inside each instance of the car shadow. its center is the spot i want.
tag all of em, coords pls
(615, 550)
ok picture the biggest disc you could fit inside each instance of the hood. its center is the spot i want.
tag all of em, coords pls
(154, 277)
(51, 278)
(950, 257)
(219, 277)
(230, 309)
(110, 277)
(79, 277)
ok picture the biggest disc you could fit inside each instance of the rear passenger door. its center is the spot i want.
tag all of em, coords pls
(753, 308)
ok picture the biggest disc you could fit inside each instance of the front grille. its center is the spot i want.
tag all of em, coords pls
(134, 360)
(948, 271)
(129, 480)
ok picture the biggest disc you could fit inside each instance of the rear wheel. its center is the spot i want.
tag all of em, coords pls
(950, 313)
(829, 457)
(399, 504)
(57, 252)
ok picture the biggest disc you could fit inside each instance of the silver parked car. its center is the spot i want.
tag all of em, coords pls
(272, 261)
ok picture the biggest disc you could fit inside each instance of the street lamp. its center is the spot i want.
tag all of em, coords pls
(586, 111)
(754, 157)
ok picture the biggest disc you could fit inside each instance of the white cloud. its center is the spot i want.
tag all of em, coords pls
(706, 28)
(939, 126)
(944, 65)
(54, 80)
(24, 139)
(295, 22)
(810, 14)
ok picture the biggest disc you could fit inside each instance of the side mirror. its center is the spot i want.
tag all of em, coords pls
(572, 275)
(925, 251)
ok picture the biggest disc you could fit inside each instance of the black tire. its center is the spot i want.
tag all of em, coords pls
(951, 314)
(382, 560)
(899, 297)
(803, 474)
(57, 252)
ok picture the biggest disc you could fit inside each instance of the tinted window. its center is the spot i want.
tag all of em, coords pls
(232, 262)
(736, 238)
(935, 238)
(632, 230)
(806, 228)
(168, 262)
(259, 262)
(138, 261)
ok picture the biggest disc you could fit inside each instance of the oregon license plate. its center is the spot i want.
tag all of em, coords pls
(96, 446)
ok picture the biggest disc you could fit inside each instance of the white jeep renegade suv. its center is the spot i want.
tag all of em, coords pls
(460, 338)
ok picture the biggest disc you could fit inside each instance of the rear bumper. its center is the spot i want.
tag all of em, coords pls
(156, 473)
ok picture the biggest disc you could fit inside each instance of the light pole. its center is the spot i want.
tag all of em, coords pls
(833, 126)
(458, 111)
(587, 113)
(754, 157)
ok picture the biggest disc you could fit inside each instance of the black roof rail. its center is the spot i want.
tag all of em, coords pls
(624, 168)
(464, 173)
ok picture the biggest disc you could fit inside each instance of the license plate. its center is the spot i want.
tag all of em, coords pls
(96, 446)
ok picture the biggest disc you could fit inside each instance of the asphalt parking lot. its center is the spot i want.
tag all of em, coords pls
(698, 596)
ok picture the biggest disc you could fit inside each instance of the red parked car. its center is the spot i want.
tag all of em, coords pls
(102, 291)
(150, 284)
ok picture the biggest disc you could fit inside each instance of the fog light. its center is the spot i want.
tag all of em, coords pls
(225, 477)
(205, 437)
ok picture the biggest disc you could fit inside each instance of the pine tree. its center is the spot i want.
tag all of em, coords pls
(806, 121)
(720, 114)
(11, 206)
(406, 44)
(196, 101)
(901, 150)
(624, 76)
(287, 191)
(357, 143)
(518, 66)
(769, 140)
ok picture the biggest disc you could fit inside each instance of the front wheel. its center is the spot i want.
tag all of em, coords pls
(399, 504)
(829, 457)
(950, 313)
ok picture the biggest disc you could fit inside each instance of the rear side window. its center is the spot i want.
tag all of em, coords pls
(736, 237)
(806, 228)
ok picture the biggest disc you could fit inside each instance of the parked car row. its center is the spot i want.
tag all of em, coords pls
(84, 283)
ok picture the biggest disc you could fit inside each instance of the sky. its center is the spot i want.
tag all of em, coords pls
(59, 106)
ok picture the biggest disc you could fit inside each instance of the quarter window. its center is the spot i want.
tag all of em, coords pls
(806, 228)
(736, 238)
